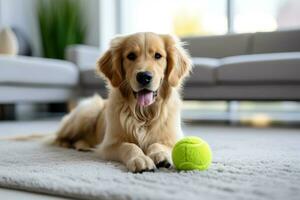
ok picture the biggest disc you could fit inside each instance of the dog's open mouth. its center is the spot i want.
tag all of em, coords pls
(145, 97)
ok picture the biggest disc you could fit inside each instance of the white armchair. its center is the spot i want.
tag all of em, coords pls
(35, 80)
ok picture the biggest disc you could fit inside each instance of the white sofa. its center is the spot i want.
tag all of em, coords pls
(256, 66)
(31, 79)
(35, 80)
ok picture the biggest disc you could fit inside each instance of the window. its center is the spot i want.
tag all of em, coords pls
(181, 17)
(267, 15)
(208, 17)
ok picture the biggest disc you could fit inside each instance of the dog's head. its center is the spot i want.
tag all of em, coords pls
(140, 63)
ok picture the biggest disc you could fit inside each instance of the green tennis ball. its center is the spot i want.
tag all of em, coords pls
(191, 153)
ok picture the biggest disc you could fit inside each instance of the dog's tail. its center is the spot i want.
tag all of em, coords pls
(48, 138)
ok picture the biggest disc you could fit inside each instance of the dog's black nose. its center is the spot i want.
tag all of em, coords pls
(144, 78)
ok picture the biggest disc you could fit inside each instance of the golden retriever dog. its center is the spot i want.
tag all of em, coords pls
(140, 121)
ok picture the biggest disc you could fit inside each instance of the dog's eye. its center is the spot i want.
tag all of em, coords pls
(131, 56)
(157, 56)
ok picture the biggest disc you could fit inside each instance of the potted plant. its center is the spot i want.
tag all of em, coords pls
(60, 24)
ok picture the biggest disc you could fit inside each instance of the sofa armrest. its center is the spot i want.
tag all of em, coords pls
(85, 57)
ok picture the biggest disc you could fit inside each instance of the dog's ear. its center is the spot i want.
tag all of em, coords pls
(110, 63)
(178, 61)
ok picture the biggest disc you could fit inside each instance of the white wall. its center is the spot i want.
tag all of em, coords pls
(101, 18)
(91, 15)
(107, 22)
(0, 14)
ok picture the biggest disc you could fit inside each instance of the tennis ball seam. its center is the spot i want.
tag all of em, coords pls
(190, 142)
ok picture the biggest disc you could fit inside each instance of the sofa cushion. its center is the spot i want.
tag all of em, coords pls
(40, 71)
(278, 41)
(90, 78)
(218, 46)
(203, 71)
(260, 68)
(85, 57)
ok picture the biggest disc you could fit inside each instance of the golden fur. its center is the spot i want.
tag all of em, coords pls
(140, 137)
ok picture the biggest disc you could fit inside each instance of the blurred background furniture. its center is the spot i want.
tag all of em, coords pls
(85, 57)
(35, 80)
(254, 66)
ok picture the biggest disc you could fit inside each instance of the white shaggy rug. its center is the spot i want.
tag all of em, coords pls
(247, 164)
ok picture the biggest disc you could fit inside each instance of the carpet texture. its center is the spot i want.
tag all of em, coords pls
(247, 164)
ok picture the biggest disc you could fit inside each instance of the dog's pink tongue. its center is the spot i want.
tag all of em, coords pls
(145, 98)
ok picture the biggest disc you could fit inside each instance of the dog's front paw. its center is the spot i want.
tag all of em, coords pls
(140, 164)
(161, 159)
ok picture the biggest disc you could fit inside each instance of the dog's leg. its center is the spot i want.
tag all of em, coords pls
(63, 143)
(129, 154)
(82, 145)
(160, 154)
